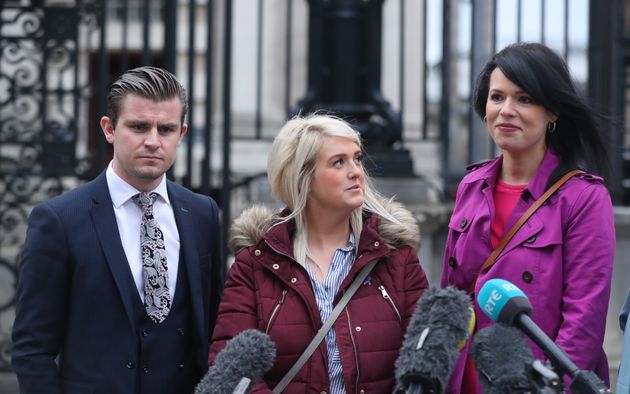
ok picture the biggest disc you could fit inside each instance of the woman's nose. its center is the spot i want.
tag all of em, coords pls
(355, 169)
(507, 108)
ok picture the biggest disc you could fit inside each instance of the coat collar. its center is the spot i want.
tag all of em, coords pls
(488, 172)
(254, 223)
(104, 221)
(280, 236)
(188, 249)
(537, 185)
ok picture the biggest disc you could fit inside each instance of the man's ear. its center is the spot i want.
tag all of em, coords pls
(108, 129)
(183, 132)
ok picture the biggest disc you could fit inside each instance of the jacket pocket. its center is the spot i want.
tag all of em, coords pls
(458, 227)
(275, 311)
(390, 301)
(460, 222)
(543, 239)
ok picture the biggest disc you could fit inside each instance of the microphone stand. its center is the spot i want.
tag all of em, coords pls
(583, 381)
(586, 382)
(544, 378)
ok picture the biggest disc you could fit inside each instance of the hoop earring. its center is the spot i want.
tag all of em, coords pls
(485, 119)
(551, 126)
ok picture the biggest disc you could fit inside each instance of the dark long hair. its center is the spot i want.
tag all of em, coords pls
(545, 77)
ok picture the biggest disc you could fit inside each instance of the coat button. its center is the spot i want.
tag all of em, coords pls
(357, 329)
(180, 332)
(452, 262)
(276, 266)
(527, 276)
(463, 223)
(145, 369)
(257, 252)
(323, 392)
(293, 280)
(361, 391)
(530, 239)
(130, 364)
(145, 333)
(376, 244)
(180, 366)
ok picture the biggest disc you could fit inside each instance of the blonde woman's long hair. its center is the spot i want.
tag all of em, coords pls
(291, 166)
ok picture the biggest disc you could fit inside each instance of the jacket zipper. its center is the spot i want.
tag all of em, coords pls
(275, 310)
(386, 296)
(354, 347)
(290, 258)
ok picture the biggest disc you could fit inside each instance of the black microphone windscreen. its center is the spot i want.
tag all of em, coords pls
(512, 308)
(502, 358)
(248, 355)
(431, 346)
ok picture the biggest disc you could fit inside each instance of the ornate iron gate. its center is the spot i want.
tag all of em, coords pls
(42, 89)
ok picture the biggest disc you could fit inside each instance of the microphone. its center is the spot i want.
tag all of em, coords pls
(437, 331)
(503, 302)
(505, 363)
(240, 365)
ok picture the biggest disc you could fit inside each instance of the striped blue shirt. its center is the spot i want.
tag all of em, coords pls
(325, 295)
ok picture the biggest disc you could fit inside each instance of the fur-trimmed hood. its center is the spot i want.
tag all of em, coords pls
(253, 223)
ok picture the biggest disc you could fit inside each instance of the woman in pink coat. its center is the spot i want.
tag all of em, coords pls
(293, 266)
(562, 258)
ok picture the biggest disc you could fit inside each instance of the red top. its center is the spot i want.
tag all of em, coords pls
(505, 198)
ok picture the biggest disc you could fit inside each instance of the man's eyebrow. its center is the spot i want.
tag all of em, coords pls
(170, 125)
(135, 122)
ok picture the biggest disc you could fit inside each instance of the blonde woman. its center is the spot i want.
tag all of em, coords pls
(292, 267)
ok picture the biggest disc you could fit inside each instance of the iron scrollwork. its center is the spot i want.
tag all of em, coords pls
(42, 104)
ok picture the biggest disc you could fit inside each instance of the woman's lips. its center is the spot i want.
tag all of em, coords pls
(507, 127)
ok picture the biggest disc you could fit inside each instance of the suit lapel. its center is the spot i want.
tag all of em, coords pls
(106, 227)
(186, 229)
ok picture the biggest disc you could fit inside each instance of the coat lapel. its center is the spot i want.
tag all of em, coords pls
(186, 229)
(104, 220)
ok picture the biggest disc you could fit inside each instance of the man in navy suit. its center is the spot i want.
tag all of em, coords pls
(97, 312)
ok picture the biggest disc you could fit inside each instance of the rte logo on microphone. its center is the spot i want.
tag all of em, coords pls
(491, 302)
(494, 294)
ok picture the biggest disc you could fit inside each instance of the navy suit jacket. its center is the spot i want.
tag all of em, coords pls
(75, 291)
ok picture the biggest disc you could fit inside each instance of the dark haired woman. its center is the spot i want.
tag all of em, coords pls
(562, 257)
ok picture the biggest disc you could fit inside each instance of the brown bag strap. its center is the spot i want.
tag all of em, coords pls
(530, 211)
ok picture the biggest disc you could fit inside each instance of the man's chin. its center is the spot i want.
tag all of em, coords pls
(149, 173)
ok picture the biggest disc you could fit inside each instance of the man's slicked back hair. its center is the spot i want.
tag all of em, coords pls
(148, 82)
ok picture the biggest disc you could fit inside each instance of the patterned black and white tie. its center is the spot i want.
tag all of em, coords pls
(157, 299)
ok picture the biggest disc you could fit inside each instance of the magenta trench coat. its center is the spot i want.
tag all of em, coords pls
(562, 257)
